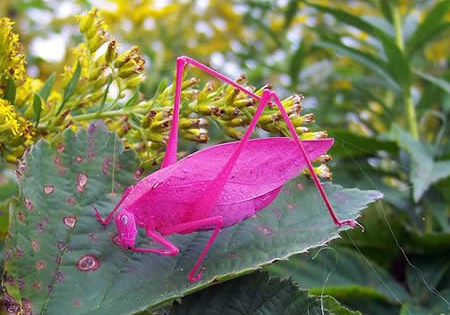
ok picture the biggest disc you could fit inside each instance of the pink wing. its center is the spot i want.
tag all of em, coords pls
(179, 193)
(264, 165)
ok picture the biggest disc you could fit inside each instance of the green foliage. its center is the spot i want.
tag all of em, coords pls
(53, 231)
(257, 294)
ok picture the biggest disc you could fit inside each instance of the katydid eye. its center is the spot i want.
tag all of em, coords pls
(124, 219)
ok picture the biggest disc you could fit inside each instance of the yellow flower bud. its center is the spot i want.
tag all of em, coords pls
(86, 21)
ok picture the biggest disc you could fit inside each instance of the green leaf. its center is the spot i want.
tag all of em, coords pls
(349, 144)
(443, 84)
(342, 273)
(256, 294)
(429, 281)
(71, 87)
(45, 245)
(398, 65)
(424, 170)
(133, 100)
(37, 108)
(10, 91)
(432, 25)
(291, 10)
(373, 63)
(44, 92)
(296, 63)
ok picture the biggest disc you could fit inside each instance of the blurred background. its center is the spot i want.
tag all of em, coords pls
(376, 75)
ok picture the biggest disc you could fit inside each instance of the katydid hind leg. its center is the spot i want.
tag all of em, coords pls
(213, 192)
(111, 214)
(316, 180)
(170, 156)
(205, 204)
(216, 221)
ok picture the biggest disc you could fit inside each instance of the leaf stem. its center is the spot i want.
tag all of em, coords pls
(96, 115)
(410, 109)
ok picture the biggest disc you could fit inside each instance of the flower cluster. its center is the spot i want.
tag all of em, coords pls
(99, 82)
(15, 132)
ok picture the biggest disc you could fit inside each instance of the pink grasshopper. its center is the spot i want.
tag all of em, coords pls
(215, 187)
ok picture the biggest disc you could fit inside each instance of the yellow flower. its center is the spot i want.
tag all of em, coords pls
(8, 120)
(16, 133)
(12, 60)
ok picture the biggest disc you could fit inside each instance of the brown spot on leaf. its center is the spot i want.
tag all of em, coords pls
(106, 164)
(37, 285)
(264, 230)
(88, 262)
(92, 237)
(60, 147)
(81, 181)
(40, 265)
(19, 252)
(71, 201)
(300, 187)
(27, 307)
(76, 303)
(11, 280)
(48, 189)
(291, 206)
(21, 283)
(28, 204)
(58, 160)
(79, 159)
(7, 254)
(276, 212)
(20, 217)
(287, 191)
(10, 304)
(59, 276)
(138, 172)
(70, 221)
(61, 246)
(40, 227)
(35, 245)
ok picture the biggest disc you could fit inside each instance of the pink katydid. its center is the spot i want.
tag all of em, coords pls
(216, 187)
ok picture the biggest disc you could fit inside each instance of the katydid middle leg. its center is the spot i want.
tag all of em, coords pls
(188, 227)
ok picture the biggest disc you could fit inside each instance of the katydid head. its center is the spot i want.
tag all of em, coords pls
(126, 229)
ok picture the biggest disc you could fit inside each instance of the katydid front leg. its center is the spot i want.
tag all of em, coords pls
(111, 214)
